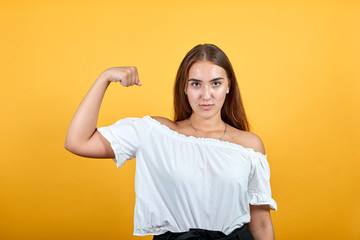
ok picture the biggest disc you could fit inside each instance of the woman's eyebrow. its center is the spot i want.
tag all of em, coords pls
(197, 80)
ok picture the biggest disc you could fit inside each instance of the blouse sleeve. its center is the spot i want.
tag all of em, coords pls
(259, 189)
(124, 137)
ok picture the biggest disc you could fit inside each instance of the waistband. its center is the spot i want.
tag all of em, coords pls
(242, 233)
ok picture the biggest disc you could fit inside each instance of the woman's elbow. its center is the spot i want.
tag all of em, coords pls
(72, 146)
(68, 146)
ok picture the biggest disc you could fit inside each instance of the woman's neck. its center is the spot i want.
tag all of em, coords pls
(207, 124)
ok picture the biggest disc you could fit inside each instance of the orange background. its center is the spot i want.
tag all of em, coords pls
(298, 66)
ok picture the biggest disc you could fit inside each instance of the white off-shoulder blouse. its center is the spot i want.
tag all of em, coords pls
(184, 182)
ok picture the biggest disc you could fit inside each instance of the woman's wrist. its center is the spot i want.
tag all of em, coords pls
(104, 78)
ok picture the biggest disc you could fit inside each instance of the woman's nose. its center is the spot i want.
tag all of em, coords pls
(206, 93)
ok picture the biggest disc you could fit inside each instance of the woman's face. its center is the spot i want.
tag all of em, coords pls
(206, 88)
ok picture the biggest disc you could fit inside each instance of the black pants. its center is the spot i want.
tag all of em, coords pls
(242, 233)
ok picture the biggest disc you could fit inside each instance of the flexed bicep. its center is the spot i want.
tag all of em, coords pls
(82, 137)
(96, 147)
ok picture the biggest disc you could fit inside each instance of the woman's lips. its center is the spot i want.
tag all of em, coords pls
(206, 106)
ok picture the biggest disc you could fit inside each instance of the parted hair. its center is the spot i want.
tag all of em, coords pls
(232, 112)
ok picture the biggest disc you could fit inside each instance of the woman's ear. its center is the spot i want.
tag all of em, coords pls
(228, 90)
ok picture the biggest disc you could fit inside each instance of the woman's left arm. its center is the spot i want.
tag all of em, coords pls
(260, 224)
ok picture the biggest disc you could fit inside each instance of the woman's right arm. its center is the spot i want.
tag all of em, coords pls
(82, 137)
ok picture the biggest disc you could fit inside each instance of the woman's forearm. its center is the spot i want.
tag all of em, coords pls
(83, 123)
(264, 233)
(261, 225)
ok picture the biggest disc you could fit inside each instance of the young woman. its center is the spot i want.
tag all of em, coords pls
(201, 176)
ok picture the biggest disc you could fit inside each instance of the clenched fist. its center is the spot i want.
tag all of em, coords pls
(127, 76)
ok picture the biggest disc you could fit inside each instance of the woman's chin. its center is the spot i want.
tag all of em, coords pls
(206, 114)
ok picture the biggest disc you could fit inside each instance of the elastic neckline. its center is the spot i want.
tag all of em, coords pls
(204, 139)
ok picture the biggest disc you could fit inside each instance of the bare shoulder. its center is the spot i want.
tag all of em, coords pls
(165, 121)
(248, 140)
(255, 142)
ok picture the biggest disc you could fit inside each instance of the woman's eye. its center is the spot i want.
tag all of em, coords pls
(195, 84)
(216, 84)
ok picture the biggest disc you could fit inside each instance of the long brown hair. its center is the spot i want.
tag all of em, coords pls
(232, 112)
